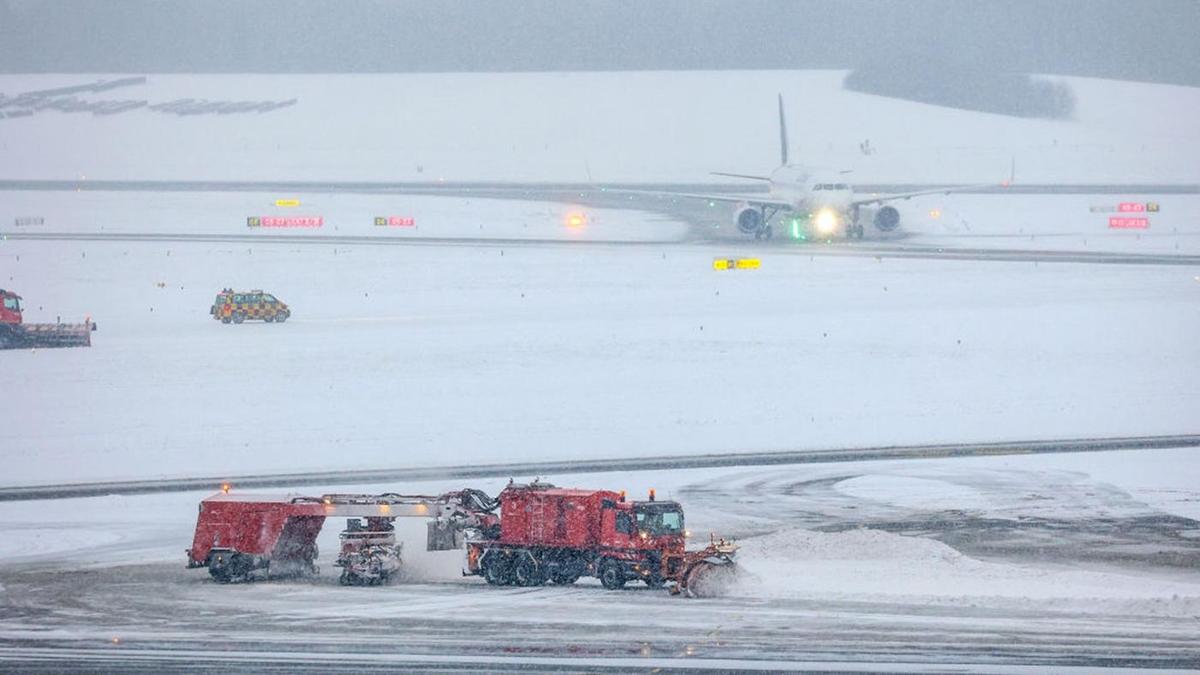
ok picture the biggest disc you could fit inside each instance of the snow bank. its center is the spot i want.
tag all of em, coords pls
(877, 565)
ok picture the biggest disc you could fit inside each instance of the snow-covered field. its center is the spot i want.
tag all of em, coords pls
(584, 127)
(433, 355)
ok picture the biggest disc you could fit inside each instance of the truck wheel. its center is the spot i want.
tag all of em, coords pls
(611, 575)
(497, 570)
(654, 582)
(527, 572)
(218, 567)
(229, 566)
(564, 577)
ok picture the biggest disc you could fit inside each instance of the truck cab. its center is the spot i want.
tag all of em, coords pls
(10, 310)
(647, 539)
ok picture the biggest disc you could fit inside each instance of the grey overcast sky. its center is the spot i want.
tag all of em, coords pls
(1150, 40)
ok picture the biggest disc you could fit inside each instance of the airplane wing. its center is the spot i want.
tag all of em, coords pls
(879, 199)
(753, 199)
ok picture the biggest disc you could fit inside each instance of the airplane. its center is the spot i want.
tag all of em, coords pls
(823, 204)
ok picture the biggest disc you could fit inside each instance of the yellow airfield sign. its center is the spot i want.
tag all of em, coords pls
(289, 203)
(736, 263)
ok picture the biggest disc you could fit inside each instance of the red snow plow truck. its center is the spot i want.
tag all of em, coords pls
(15, 334)
(541, 534)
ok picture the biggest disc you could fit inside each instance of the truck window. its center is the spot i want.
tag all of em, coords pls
(11, 303)
(624, 523)
(660, 521)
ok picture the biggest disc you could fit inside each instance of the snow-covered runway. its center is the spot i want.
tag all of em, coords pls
(826, 579)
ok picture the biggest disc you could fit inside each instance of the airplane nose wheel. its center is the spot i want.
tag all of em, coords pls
(764, 233)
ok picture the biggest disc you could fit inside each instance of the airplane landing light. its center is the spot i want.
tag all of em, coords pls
(826, 221)
(576, 220)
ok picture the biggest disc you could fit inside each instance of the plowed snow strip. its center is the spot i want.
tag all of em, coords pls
(58, 491)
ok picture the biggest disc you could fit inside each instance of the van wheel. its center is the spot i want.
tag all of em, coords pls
(281, 317)
(224, 319)
(239, 317)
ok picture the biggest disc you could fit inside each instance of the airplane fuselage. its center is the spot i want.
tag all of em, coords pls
(823, 202)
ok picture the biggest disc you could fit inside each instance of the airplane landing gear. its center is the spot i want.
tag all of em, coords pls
(856, 228)
(765, 231)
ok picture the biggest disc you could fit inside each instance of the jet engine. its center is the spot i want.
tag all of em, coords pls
(887, 219)
(748, 219)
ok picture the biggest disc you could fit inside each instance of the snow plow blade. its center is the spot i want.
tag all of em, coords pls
(47, 335)
(708, 572)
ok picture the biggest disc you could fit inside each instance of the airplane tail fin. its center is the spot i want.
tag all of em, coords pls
(783, 139)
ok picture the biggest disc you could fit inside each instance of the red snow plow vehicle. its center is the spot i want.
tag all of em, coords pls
(559, 535)
(542, 534)
(15, 334)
